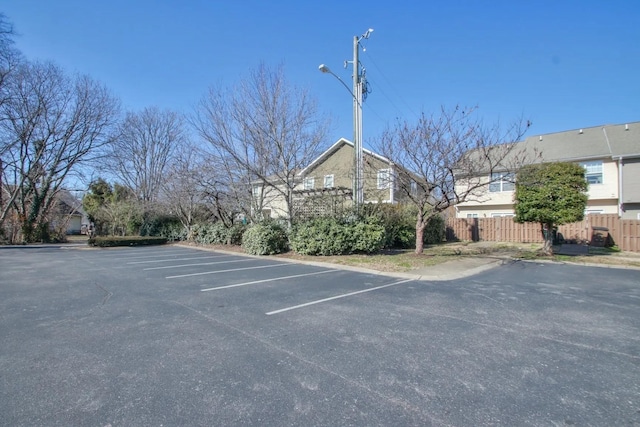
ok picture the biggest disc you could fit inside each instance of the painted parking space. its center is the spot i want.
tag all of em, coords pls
(284, 286)
(89, 339)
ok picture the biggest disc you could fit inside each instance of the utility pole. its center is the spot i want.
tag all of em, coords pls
(358, 191)
(359, 92)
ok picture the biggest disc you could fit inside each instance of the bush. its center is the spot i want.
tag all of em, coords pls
(434, 232)
(399, 222)
(218, 234)
(367, 237)
(332, 236)
(265, 239)
(111, 241)
(164, 226)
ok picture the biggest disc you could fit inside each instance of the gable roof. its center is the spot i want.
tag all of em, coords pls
(596, 142)
(335, 147)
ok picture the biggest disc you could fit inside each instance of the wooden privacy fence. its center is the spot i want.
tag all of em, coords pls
(624, 232)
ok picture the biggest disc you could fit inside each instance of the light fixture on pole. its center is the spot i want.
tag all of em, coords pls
(360, 89)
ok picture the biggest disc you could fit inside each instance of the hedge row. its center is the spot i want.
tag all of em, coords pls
(110, 241)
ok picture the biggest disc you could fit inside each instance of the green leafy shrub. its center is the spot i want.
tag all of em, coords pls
(265, 239)
(218, 234)
(235, 234)
(399, 222)
(367, 237)
(164, 226)
(332, 236)
(111, 241)
(434, 232)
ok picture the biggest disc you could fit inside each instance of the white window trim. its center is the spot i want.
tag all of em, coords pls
(501, 181)
(383, 179)
(309, 183)
(598, 165)
(332, 181)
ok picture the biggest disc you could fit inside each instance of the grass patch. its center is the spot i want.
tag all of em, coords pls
(406, 260)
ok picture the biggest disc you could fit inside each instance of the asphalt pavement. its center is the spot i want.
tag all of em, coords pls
(175, 336)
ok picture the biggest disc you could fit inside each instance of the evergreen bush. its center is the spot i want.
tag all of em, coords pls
(265, 239)
(332, 236)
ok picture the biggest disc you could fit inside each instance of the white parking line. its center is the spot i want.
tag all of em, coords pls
(226, 271)
(282, 310)
(195, 264)
(175, 259)
(120, 255)
(267, 280)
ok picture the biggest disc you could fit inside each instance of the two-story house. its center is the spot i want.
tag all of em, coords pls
(329, 178)
(610, 155)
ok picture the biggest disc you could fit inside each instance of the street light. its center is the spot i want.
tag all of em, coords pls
(359, 88)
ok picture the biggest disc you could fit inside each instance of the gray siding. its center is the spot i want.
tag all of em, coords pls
(631, 181)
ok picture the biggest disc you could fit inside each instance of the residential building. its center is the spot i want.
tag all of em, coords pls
(610, 155)
(329, 178)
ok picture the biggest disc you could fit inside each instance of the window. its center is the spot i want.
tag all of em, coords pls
(309, 183)
(414, 187)
(472, 215)
(501, 182)
(593, 171)
(498, 215)
(328, 181)
(384, 179)
(256, 191)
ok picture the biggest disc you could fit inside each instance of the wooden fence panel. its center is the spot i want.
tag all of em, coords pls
(630, 235)
(625, 233)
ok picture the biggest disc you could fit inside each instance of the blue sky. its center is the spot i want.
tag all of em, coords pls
(561, 64)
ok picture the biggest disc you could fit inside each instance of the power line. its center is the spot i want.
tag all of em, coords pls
(388, 82)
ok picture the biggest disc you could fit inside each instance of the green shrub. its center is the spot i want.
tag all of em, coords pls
(265, 239)
(157, 224)
(400, 225)
(434, 232)
(367, 237)
(235, 233)
(218, 234)
(332, 236)
(111, 241)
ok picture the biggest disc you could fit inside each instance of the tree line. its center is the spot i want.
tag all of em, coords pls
(61, 130)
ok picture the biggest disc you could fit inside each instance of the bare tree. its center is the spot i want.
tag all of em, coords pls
(147, 141)
(10, 57)
(9, 60)
(53, 125)
(448, 158)
(185, 188)
(263, 130)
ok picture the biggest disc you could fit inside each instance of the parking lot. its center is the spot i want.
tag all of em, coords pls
(179, 336)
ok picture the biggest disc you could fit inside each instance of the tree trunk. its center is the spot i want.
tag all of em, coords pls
(420, 225)
(547, 232)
